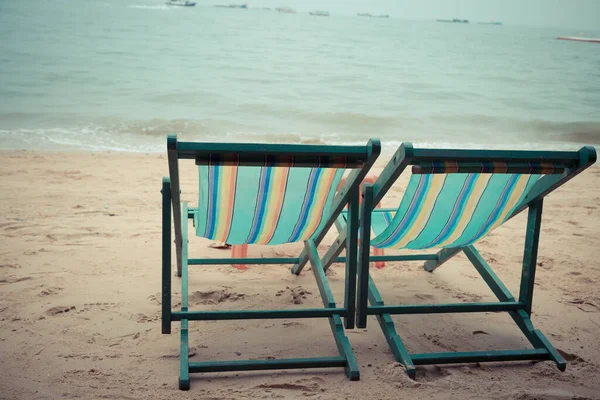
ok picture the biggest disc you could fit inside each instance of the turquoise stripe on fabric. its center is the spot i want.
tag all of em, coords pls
(452, 197)
(410, 207)
(292, 204)
(329, 202)
(200, 218)
(259, 212)
(457, 211)
(491, 208)
(484, 229)
(251, 194)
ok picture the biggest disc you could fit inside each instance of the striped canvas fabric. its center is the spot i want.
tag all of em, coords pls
(380, 220)
(263, 205)
(451, 210)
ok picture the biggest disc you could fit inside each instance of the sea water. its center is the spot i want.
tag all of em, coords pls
(122, 74)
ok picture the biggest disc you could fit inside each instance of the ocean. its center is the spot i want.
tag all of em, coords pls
(122, 74)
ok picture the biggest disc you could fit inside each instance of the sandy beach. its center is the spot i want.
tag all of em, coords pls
(80, 253)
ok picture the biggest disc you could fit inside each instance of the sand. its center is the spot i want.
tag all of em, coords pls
(80, 253)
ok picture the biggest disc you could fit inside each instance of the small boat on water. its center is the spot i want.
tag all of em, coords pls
(232, 5)
(373, 16)
(183, 3)
(286, 10)
(454, 20)
(320, 13)
(579, 39)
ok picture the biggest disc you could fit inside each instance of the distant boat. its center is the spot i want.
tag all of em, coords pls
(320, 13)
(183, 3)
(490, 23)
(454, 20)
(579, 39)
(373, 16)
(232, 5)
(286, 10)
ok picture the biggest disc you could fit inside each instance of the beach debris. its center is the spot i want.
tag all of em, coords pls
(220, 245)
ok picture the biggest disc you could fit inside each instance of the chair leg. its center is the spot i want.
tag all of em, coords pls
(351, 261)
(363, 256)
(442, 256)
(239, 251)
(389, 331)
(534, 220)
(335, 321)
(184, 364)
(166, 256)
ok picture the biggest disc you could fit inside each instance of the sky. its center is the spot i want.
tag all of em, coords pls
(572, 14)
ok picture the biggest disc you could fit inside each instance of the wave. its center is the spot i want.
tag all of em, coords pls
(311, 128)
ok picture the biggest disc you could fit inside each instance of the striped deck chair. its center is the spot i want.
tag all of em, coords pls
(264, 194)
(453, 199)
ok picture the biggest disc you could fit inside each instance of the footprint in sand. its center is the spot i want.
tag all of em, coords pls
(50, 291)
(298, 294)
(13, 279)
(60, 310)
(143, 318)
(310, 385)
(215, 296)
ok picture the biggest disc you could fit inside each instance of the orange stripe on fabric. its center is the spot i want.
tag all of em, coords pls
(274, 205)
(225, 211)
(316, 210)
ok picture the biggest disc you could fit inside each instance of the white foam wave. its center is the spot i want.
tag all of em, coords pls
(124, 139)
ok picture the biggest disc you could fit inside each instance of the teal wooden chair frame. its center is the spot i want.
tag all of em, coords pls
(435, 161)
(358, 158)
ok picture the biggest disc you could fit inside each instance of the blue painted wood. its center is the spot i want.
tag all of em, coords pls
(335, 322)
(255, 365)
(389, 332)
(521, 317)
(523, 321)
(344, 348)
(184, 258)
(184, 371)
(317, 269)
(445, 308)
(202, 151)
(479, 356)
(364, 255)
(336, 248)
(256, 314)
(175, 195)
(554, 354)
(401, 159)
(547, 184)
(441, 257)
(351, 259)
(503, 156)
(485, 167)
(532, 236)
(166, 256)
(488, 275)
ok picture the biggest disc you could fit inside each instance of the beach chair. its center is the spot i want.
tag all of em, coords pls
(264, 194)
(453, 199)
